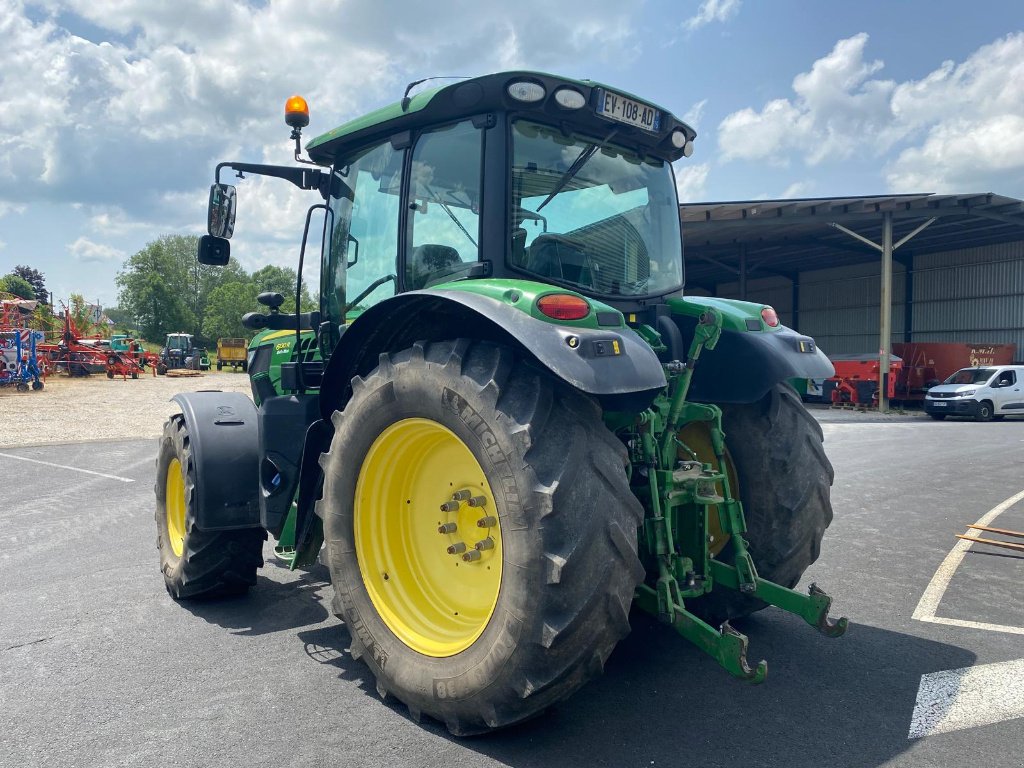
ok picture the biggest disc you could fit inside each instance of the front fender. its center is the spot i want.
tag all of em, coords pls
(613, 364)
(224, 440)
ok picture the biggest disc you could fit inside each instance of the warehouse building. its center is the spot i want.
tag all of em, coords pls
(949, 267)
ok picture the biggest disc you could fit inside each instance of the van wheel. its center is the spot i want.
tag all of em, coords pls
(984, 411)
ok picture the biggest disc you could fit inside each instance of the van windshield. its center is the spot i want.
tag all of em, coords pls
(970, 376)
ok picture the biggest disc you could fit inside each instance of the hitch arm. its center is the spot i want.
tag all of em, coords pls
(726, 646)
(812, 607)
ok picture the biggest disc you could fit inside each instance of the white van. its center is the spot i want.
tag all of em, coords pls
(985, 393)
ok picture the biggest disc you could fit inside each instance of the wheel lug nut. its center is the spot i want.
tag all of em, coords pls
(472, 555)
(457, 548)
(450, 506)
(478, 501)
(483, 544)
(462, 495)
(447, 528)
(487, 522)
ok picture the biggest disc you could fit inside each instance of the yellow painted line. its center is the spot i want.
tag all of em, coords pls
(929, 602)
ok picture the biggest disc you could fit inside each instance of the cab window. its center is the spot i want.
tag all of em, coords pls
(364, 242)
(444, 205)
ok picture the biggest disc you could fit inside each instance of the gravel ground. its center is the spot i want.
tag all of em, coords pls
(97, 408)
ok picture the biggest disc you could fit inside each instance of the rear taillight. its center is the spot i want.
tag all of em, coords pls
(771, 319)
(563, 306)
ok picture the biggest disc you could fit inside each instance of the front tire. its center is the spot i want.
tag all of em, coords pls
(776, 448)
(984, 412)
(196, 563)
(472, 649)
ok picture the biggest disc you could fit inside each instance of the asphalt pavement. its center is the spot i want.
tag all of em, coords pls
(99, 667)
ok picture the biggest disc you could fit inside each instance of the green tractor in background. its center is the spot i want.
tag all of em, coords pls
(506, 423)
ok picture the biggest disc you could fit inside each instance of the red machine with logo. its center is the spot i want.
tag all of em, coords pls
(927, 363)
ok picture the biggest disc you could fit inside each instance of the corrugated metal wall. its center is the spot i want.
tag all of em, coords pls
(974, 295)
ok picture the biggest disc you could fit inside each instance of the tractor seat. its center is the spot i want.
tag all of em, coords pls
(562, 258)
(428, 260)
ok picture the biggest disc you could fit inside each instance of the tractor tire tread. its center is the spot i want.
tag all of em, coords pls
(586, 572)
(213, 563)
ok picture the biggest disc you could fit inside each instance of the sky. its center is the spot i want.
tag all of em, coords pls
(113, 113)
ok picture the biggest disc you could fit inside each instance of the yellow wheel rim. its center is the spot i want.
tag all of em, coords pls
(175, 503)
(697, 436)
(428, 540)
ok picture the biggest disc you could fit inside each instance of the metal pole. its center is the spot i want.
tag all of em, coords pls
(885, 317)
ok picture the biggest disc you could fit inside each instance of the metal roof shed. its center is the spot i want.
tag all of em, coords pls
(733, 240)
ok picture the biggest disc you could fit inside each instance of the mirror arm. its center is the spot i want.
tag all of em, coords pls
(303, 178)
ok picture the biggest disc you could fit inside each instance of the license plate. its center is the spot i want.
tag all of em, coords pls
(615, 106)
(939, 404)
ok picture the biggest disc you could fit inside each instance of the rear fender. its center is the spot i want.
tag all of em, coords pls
(223, 436)
(612, 364)
(750, 357)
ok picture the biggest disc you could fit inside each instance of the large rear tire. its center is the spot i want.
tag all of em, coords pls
(492, 641)
(196, 563)
(776, 449)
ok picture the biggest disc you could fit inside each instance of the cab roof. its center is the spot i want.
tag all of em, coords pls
(480, 95)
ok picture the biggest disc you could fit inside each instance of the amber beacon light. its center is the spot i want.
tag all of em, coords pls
(296, 112)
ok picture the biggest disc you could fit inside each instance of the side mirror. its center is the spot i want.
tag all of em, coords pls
(215, 251)
(220, 220)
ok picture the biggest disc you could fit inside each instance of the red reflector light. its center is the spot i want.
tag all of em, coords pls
(563, 306)
(770, 318)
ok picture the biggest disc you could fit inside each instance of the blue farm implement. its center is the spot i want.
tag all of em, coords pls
(19, 360)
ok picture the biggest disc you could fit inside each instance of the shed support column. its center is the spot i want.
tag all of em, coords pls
(884, 334)
(885, 318)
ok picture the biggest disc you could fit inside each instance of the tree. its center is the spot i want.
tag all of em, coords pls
(34, 278)
(17, 285)
(282, 280)
(155, 287)
(119, 317)
(225, 307)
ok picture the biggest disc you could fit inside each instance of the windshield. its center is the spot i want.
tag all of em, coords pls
(593, 216)
(970, 376)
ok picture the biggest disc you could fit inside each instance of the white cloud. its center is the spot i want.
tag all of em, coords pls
(797, 189)
(86, 250)
(693, 115)
(836, 106)
(710, 11)
(956, 126)
(962, 155)
(691, 181)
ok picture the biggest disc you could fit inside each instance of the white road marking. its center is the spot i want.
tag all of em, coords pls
(936, 588)
(64, 466)
(955, 699)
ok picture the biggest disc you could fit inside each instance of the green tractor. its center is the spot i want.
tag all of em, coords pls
(506, 424)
